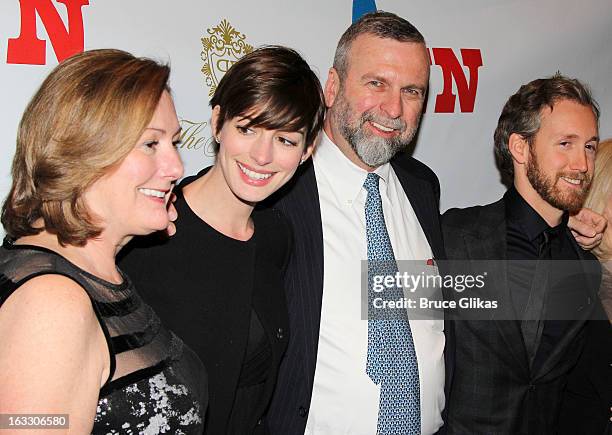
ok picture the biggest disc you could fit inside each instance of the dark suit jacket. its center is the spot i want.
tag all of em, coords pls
(494, 390)
(299, 202)
(587, 399)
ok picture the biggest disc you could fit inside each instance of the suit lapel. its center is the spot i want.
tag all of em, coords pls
(424, 206)
(489, 242)
(300, 204)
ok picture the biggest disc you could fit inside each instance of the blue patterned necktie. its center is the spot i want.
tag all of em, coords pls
(391, 360)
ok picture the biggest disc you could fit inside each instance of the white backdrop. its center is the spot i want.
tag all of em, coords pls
(517, 40)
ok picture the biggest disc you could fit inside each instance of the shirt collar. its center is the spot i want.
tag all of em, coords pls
(519, 211)
(348, 178)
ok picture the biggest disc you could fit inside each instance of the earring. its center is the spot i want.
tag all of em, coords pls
(302, 160)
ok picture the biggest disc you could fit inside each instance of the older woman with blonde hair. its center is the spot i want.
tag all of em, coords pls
(95, 162)
(600, 201)
(588, 394)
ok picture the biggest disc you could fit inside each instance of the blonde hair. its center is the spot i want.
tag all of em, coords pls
(85, 118)
(601, 188)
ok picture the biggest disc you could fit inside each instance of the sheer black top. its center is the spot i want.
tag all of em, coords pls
(156, 384)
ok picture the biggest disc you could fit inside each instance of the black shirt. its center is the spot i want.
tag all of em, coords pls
(529, 239)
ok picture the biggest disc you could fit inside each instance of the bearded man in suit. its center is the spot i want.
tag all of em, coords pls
(511, 368)
(360, 197)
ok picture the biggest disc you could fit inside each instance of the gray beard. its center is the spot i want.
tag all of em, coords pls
(372, 150)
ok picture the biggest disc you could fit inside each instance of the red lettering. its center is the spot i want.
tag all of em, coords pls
(66, 40)
(452, 70)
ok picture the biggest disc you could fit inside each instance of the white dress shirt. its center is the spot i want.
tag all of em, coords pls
(344, 398)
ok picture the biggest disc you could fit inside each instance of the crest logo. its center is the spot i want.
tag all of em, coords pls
(220, 51)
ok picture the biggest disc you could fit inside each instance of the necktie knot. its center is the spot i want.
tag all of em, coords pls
(371, 183)
(545, 239)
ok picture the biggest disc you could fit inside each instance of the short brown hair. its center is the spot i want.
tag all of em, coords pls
(277, 86)
(85, 118)
(522, 113)
(382, 24)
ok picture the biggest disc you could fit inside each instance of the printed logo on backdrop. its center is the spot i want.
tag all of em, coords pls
(452, 70)
(66, 39)
(223, 46)
(220, 51)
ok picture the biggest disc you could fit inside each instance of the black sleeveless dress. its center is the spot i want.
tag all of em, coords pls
(156, 384)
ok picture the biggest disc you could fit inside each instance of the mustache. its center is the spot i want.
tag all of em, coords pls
(396, 124)
(575, 175)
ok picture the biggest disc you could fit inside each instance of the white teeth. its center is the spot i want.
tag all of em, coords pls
(151, 192)
(572, 180)
(252, 174)
(382, 127)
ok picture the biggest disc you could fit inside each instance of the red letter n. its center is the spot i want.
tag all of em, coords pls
(451, 69)
(66, 41)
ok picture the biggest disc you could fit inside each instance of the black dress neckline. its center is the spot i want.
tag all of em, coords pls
(10, 244)
(186, 212)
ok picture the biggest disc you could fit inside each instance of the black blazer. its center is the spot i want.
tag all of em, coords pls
(587, 398)
(299, 202)
(494, 390)
(203, 286)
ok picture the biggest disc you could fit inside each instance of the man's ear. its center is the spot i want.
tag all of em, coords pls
(213, 121)
(332, 87)
(519, 148)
